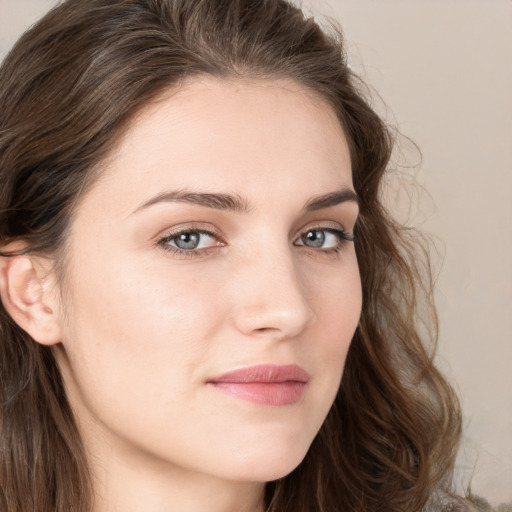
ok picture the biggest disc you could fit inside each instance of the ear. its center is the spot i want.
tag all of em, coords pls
(30, 299)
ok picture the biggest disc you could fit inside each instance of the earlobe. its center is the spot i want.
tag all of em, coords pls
(31, 306)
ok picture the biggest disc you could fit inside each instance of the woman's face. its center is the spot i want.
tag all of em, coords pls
(212, 288)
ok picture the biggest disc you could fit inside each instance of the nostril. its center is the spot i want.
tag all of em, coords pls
(266, 330)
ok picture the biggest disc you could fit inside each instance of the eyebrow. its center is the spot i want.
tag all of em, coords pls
(332, 199)
(209, 200)
(236, 203)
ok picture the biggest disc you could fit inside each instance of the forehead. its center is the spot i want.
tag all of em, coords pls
(241, 134)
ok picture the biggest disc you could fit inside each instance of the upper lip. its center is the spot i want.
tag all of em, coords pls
(264, 373)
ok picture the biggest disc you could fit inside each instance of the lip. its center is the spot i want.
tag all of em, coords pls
(264, 384)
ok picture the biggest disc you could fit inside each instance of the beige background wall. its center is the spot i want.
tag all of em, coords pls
(443, 68)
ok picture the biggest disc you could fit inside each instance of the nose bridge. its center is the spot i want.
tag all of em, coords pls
(271, 297)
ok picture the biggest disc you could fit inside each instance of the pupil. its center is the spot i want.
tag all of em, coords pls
(314, 238)
(187, 240)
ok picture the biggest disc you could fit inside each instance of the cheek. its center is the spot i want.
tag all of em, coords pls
(135, 348)
(131, 298)
(336, 298)
(127, 329)
(338, 318)
(337, 303)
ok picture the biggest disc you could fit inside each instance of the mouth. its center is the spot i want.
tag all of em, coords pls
(266, 384)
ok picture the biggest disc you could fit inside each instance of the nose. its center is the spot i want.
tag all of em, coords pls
(270, 296)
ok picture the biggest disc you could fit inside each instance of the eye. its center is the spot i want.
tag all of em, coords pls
(189, 241)
(328, 239)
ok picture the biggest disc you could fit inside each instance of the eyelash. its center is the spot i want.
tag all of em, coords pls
(189, 253)
(343, 236)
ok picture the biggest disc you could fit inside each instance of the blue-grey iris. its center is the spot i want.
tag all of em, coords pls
(315, 238)
(187, 240)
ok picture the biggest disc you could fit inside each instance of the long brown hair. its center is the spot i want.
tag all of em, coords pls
(68, 89)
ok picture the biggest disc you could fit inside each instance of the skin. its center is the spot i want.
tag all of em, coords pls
(142, 328)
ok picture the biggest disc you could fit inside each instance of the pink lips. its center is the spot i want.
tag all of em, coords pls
(264, 384)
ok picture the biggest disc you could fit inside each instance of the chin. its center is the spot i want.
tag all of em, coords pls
(263, 451)
(268, 465)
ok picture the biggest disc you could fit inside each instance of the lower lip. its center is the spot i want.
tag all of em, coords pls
(264, 393)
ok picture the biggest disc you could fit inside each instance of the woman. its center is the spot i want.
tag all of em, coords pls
(205, 306)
